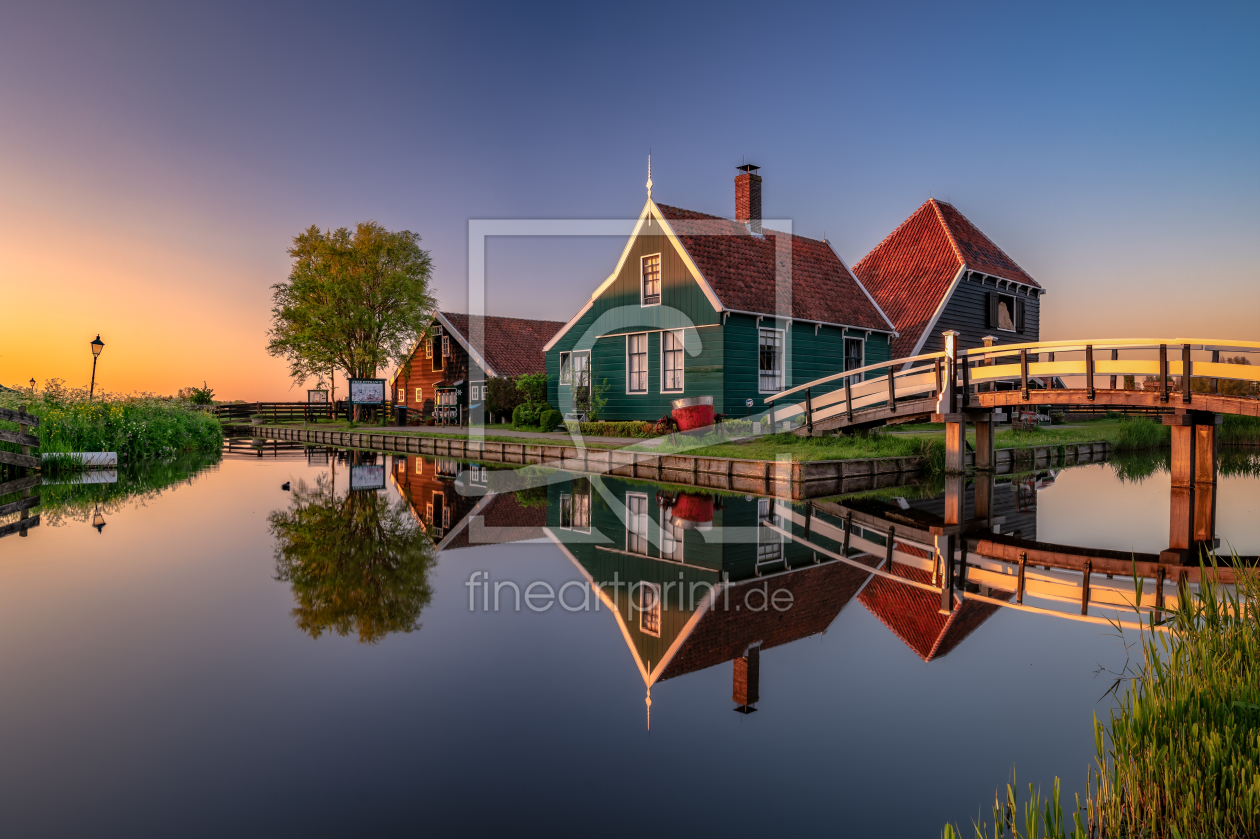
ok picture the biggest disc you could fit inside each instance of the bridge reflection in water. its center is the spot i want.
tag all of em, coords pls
(694, 580)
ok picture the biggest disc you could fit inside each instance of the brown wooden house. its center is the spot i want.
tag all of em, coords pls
(445, 376)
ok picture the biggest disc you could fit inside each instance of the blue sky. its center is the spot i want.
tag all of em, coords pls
(159, 159)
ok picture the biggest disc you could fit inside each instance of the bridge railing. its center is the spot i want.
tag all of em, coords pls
(838, 394)
(1026, 366)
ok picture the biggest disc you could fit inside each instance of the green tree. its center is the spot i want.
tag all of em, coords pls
(354, 301)
(356, 563)
(533, 386)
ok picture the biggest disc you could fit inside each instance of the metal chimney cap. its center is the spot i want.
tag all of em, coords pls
(748, 167)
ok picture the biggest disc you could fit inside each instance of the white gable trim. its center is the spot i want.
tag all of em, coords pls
(473, 354)
(940, 307)
(649, 209)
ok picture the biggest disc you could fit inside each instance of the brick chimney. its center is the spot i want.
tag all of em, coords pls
(748, 197)
(747, 677)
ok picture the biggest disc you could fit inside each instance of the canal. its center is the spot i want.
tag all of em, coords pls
(307, 641)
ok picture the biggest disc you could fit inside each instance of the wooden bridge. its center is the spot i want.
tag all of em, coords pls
(1017, 375)
(957, 387)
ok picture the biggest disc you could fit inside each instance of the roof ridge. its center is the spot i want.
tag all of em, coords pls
(985, 236)
(949, 233)
(897, 230)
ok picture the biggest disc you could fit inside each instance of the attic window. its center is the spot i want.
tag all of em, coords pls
(649, 606)
(651, 280)
(1006, 312)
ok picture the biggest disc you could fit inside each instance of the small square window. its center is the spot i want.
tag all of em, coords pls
(651, 273)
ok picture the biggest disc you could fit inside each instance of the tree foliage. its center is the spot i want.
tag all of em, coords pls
(356, 563)
(533, 386)
(353, 301)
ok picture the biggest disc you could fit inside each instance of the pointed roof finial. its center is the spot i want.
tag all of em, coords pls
(649, 710)
(649, 183)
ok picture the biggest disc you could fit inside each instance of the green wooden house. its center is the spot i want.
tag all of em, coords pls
(700, 305)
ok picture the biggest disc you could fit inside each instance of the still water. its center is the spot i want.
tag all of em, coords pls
(224, 656)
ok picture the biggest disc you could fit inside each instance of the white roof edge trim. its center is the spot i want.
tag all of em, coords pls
(940, 307)
(649, 209)
(476, 356)
(892, 326)
(891, 332)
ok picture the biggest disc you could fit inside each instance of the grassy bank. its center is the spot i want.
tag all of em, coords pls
(1180, 754)
(138, 427)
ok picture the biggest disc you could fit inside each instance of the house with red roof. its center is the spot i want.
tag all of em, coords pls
(445, 374)
(701, 305)
(937, 271)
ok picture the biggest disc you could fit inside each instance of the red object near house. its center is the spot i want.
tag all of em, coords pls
(691, 510)
(694, 412)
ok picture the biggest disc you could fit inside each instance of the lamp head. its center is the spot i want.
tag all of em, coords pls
(97, 346)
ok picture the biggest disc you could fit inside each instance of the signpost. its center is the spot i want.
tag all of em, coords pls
(367, 478)
(366, 392)
(317, 397)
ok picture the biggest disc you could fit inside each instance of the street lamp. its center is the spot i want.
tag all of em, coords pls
(98, 521)
(32, 385)
(97, 346)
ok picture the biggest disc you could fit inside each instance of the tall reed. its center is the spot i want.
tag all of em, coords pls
(1180, 755)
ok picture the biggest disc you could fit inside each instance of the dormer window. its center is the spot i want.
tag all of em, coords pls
(651, 284)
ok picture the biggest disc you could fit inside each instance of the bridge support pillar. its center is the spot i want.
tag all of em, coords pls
(986, 458)
(947, 540)
(1192, 508)
(984, 497)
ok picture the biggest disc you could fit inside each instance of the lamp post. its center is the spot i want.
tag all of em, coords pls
(97, 346)
(98, 521)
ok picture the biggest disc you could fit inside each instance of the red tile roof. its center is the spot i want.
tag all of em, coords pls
(818, 594)
(513, 346)
(512, 522)
(741, 269)
(912, 269)
(912, 613)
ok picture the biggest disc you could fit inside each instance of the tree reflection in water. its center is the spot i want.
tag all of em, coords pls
(357, 563)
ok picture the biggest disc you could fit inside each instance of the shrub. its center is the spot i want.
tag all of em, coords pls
(533, 386)
(137, 427)
(550, 419)
(619, 429)
(502, 395)
(523, 416)
(197, 395)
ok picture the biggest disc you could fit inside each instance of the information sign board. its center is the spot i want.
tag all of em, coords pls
(317, 397)
(367, 391)
(369, 477)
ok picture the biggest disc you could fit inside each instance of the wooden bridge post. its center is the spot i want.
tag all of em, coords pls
(948, 410)
(1192, 507)
(989, 341)
(986, 455)
(809, 413)
(1163, 372)
(1115, 356)
(983, 493)
(1187, 366)
(1023, 372)
(1216, 359)
(1089, 372)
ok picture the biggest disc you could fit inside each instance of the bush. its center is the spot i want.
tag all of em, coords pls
(137, 427)
(550, 419)
(502, 395)
(523, 416)
(619, 429)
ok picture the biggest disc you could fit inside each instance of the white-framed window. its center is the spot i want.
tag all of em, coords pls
(581, 362)
(419, 394)
(446, 345)
(575, 508)
(650, 285)
(854, 357)
(672, 362)
(637, 523)
(477, 474)
(428, 349)
(419, 465)
(770, 361)
(769, 543)
(637, 363)
(671, 536)
(475, 392)
(649, 605)
(566, 369)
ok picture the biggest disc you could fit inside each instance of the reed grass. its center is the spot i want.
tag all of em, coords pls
(1239, 431)
(1180, 754)
(137, 427)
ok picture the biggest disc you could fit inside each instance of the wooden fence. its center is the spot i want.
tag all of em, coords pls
(24, 466)
(275, 411)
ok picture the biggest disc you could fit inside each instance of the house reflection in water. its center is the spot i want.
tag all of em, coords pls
(696, 580)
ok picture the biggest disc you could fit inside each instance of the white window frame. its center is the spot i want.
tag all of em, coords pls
(782, 358)
(647, 373)
(682, 361)
(566, 368)
(671, 535)
(420, 395)
(844, 354)
(643, 279)
(652, 615)
(586, 371)
(632, 520)
(474, 392)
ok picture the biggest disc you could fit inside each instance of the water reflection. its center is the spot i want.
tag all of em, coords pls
(357, 562)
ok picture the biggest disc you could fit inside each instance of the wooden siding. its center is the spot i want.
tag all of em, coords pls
(457, 367)
(967, 313)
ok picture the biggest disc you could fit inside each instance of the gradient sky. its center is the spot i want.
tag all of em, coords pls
(156, 161)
